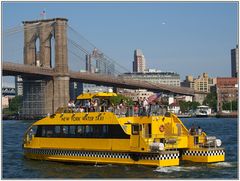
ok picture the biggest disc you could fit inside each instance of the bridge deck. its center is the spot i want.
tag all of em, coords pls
(20, 69)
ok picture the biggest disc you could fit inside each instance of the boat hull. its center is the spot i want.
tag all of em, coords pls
(166, 158)
(201, 115)
(204, 155)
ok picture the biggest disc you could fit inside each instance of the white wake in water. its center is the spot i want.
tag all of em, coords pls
(175, 169)
(222, 164)
(191, 168)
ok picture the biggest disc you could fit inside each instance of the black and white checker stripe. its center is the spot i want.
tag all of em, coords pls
(203, 152)
(165, 156)
(142, 156)
(77, 153)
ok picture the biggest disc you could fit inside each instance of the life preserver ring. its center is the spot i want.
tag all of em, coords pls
(161, 128)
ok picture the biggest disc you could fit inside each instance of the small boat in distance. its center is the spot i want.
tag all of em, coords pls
(203, 111)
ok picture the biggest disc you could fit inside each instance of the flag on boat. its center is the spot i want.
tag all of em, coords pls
(153, 97)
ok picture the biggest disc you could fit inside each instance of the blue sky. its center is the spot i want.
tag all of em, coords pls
(184, 37)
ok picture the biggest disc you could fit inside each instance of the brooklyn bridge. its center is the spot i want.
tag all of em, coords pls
(48, 54)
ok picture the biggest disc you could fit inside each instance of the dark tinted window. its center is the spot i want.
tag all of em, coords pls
(135, 129)
(82, 131)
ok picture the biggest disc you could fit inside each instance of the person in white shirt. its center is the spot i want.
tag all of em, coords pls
(145, 105)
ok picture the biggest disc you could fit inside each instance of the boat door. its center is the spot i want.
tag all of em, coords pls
(134, 142)
(147, 130)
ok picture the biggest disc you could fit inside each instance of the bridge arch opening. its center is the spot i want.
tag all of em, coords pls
(37, 52)
(52, 49)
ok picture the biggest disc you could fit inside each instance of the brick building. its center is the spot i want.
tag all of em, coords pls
(227, 91)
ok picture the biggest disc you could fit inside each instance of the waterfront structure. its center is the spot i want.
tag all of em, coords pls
(202, 84)
(154, 76)
(139, 63)
(227, 91)
(235, 61)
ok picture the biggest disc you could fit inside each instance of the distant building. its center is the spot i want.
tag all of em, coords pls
(203, 83)
(227, 91)
(234, 61)
(184, 98)
(77, 88)
(199, 96)
(5, 102)
(154, 76)
(97, 62)
(136, 95)
(174, 108)
(139, 63)
(8, 92)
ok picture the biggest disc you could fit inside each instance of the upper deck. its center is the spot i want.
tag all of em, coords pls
(96, 95)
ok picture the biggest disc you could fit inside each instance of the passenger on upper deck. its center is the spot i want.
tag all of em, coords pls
(71, 104)
(145, 105)
(192, 130)
(95, 106)
(104, 105)
(199, 130)
(136, 109)
(87, 105)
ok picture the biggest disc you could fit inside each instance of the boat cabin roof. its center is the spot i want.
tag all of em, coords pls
(96, 95)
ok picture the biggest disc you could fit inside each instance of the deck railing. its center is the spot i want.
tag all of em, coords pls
(127, 111)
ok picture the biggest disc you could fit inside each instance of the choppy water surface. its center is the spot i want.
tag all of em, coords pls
(14, 165)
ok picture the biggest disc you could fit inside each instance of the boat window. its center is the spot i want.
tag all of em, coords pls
(135, 129)
(105, 130)
(39, 131)
(43, 131)
(82, 131)
(33, 130)
(49, 131)
(97, 130)
(65, 129)
(72, 130)
(57, 129)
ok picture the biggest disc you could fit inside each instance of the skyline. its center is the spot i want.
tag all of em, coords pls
(171, 35)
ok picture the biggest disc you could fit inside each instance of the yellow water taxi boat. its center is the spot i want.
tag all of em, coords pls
(106, 133)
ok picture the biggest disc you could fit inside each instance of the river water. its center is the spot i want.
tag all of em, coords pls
(14, 165)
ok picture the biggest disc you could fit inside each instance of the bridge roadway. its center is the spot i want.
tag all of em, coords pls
(13, 69)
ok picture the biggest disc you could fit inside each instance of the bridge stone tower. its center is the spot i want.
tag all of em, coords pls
(40, 34)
